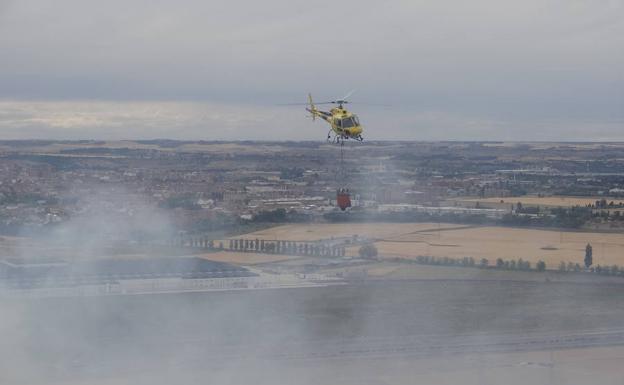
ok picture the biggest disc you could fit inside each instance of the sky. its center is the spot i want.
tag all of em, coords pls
(219, 70)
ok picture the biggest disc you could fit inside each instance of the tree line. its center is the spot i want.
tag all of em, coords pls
(483, 263)
(263, 246)
(286, 247)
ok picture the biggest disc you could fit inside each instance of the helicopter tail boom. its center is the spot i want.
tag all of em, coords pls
(312, 108)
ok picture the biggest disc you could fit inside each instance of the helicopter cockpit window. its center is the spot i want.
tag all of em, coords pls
(348, 122)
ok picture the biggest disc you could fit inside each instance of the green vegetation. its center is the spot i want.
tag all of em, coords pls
(280, 216)
(540, 266)
(291, 173)
(573, 217)
(28, 198)
(188, 202)
(274, 216)
(368, 251)
(357, 216)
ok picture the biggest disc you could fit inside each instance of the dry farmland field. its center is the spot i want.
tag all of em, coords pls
(509, 243)
(550, 201)
(317, 231)
(410, 240)
(246, 258)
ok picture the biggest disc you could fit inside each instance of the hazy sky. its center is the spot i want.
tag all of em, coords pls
(480, 69)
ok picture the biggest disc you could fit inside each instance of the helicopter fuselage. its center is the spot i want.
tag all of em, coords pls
(344, 124)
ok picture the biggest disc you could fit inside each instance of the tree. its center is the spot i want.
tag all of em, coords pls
(540, 266)
(368, 251)
(500, 263)
(484, 263)
(589, 260)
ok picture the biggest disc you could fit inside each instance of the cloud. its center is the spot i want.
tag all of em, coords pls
(108, 120)
(517, 62)
(132, 120)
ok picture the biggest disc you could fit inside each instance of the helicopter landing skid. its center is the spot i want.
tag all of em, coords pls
(336, 139)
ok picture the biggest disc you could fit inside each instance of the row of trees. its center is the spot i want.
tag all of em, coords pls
(286, 247)
(520, 264)
(197, 242)
(562, 217)
(571, 267)
(263, 246)
(483, 263)
(446, 261)
(602, 204)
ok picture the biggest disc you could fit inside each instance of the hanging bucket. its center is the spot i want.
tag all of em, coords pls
(343, 199)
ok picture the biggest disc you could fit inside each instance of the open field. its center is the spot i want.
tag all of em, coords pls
(509, 243)
(569, 366)
(366, 333)
(385, 270)
(457, 241)
(246, 258)
(551, 201)
(317, 231)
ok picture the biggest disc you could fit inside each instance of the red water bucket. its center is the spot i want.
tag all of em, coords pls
(343, 199)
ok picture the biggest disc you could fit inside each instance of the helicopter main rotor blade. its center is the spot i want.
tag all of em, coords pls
(344, 98)
(303, 104)
(371, 104)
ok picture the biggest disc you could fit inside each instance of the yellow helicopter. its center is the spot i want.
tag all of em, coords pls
(344, 124)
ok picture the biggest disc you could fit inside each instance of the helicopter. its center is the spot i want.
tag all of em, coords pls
(343, 124)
